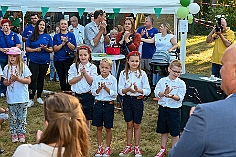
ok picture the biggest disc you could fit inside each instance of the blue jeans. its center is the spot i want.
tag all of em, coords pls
(52, 71)
(215, 69)
(17, 114)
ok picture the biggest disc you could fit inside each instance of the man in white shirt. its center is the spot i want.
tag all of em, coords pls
(77, 29)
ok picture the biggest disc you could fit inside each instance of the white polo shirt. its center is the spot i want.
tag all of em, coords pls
(82, 86)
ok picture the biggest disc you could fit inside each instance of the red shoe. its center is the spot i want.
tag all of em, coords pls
(137, 151)
(127, 150)
(107, 151)
(99, 151)
(162, 152)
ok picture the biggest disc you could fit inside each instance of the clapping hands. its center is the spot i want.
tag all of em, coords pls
(83, 70)
(64, 40)
(134, 88)
(167, 92)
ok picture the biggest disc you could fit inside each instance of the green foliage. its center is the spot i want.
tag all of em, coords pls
(209, 13)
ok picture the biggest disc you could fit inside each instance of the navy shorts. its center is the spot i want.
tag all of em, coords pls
(87, 102)
(169, 120)
(103, 114)
(133, 109)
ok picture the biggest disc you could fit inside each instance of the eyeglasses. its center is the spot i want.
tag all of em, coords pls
(177, 72)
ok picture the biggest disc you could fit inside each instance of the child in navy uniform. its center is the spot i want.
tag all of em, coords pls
(133, 85)
(104, 88)
(171, 91)
(81, 74)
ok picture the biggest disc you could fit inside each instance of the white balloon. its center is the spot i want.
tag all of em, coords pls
(193, 8)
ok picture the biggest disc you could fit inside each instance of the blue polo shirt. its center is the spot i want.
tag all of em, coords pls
(42, 57)
(28, 31)
(148, 49)
(61, 54)
(12, 39)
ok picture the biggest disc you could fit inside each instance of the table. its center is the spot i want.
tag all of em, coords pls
(208, 90)
(100, 56)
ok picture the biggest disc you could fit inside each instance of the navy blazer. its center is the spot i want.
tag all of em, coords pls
(210, 131)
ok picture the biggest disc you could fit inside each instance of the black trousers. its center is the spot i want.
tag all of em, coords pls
(37, 78)
(62, 68)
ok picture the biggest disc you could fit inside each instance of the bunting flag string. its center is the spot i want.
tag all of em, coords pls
(202, 22)
(225, 5)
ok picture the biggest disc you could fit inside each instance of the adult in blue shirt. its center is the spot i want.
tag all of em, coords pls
(148, 49)
(38, 46)
(63, 43)
(7, 39)
(30, 29)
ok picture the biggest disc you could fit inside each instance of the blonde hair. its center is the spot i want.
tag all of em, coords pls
(176, 63)
(167, 26)
(106, 60)
(19, 67)
(66, 125)
(113, 31)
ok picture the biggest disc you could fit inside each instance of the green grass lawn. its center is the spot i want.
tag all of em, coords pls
(197, 61)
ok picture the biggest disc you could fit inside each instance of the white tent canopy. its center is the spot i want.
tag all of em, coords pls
(127, 6)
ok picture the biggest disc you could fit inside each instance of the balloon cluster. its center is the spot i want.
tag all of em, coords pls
(187, 9)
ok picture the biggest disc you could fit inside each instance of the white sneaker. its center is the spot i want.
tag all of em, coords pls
(30, 103)
(2, 94)
(40, 101)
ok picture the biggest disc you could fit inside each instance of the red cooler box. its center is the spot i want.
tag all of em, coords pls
(113, 50)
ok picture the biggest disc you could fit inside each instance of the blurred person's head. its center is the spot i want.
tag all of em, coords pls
(74, 21)
(113, 33)
(133, 63)
(148, 22)
(105, 67)
(65, 125)
(99, 16)
(224, 24)
(129, 24)
(174, 69)
(228, 70)
(40, 28)
(63, 25)
(6, 25)
(15, 14)
(83, 55)
(120, 28)
(34, 18)
(165, 28)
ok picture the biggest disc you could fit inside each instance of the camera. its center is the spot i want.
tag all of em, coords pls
(218, 28)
